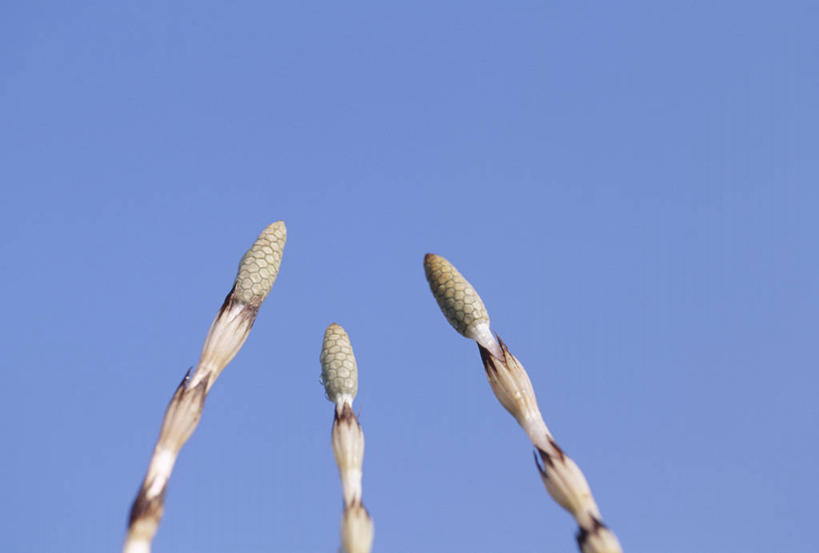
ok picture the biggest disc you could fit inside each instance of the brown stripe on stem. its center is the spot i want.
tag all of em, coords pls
(597, 538)
(583, 534)
(145, 507)
(346, 415)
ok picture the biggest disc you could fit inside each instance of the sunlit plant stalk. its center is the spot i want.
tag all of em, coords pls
(563, 479)
(339, 374)
(258, 270)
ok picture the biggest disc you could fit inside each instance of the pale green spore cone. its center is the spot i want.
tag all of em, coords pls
(339, 370)
(259, 267)
(460, 303)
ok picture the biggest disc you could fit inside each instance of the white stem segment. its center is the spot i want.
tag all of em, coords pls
(226, 336)
(357, 529)
(228, 332)
(181, 419)
(348, 449)
(137, 545)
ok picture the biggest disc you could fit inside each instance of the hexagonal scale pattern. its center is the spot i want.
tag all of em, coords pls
(460, 303)
(339, 370)
(259, 267)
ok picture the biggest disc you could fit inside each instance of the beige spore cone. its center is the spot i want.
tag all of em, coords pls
(339, 370)
(259, 267)
(459, 302)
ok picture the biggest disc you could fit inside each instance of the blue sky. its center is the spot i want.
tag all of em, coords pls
(631, 187)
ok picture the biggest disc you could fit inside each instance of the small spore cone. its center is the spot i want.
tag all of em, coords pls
(339, 371)
(259, 267)
(460, 303)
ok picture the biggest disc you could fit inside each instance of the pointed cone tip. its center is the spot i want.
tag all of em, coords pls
(334, 327)
(278, 225)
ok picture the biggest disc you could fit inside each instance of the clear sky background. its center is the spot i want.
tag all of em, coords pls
(631, 187)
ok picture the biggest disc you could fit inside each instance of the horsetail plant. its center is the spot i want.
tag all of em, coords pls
(339, 374)
(258, 270)
(563, 479)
